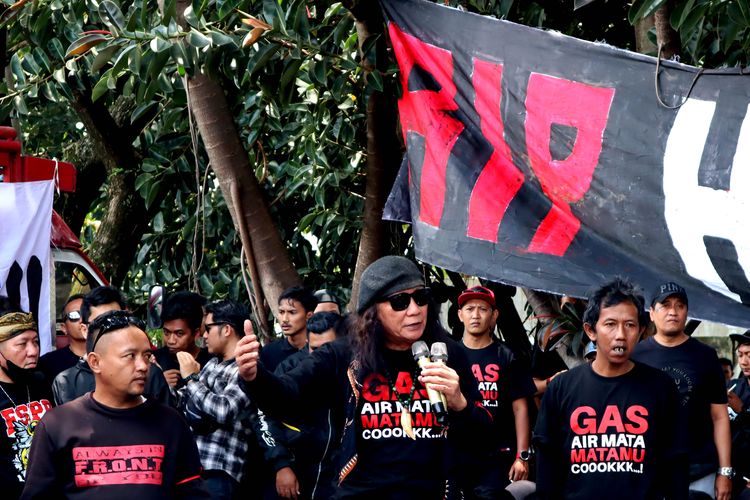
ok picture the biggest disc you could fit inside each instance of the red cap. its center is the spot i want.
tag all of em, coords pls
(477, 292)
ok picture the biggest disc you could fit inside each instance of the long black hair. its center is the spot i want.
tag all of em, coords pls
(367, 337)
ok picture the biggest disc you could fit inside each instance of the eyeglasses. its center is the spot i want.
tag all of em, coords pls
(401, 301)
(72, 316)
(211, 325)
(111, 321)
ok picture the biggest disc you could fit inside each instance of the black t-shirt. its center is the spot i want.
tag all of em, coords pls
(608, 437)
(168, 360)
(146, 452)
(695, 369)
(57, 361)
(387, 458)
(21, 412)
(274, 353)
(501, 379)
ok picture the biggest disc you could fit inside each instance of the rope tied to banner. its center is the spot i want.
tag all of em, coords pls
(57, 175)
(656, 82)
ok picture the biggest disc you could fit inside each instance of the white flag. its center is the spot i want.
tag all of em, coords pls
(25, 229)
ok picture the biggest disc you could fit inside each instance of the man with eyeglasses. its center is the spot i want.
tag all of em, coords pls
(60, 360)
(217, 409)
(505, 384)
(121, 444)
(695, 369)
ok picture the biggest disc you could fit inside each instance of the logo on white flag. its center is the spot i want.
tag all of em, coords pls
(25, 228)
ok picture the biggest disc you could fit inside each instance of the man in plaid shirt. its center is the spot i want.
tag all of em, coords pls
(219, 411)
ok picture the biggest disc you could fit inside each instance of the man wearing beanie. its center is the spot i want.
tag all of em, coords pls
(392, 445)
(24, 395)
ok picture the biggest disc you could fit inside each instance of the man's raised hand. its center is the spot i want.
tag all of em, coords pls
(246, 353)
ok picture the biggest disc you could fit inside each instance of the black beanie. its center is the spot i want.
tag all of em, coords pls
(385, 276)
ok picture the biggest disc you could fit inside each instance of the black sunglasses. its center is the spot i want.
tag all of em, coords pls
(218, 323)
(72, 316)
(401, 301)
(111, 321)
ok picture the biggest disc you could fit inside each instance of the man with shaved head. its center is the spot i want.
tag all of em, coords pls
(122, 444)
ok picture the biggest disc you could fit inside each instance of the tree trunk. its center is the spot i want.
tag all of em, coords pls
(230, 163)
(383, 146)
(642, 42)
(665, 35)
(509, 322)
(91, 171)
(125, 219)
(546, 310)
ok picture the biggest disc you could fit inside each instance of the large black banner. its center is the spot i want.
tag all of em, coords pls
(541, 160)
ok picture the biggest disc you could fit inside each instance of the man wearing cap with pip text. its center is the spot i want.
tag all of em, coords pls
(696, 370)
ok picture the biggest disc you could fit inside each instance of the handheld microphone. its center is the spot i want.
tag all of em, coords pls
(439, 354)
(439, 408)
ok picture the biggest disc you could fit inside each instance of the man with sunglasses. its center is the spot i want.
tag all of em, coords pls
(505, 384)
(122, 444)
(393, 446)
(60, 360)
(79, 379)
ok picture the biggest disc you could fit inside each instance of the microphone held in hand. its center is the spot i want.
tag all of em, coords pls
(439, 408)
(439, 354)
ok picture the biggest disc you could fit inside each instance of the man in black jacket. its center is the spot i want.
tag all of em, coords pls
(122, 446)
(78, 380)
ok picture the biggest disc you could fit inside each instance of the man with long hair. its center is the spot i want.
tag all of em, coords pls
(393, 445)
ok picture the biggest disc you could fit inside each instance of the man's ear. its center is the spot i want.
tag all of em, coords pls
(651, 313)
(495, 315)
(590, 332)
(460, 315)
(94, 361)
(309, 315)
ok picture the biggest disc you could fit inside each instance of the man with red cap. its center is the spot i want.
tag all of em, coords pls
(504, 384)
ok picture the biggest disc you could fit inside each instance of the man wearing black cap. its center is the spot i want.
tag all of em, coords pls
(326, 302)
(504, 385)
(696, 370)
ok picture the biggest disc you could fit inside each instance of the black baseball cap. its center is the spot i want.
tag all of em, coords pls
(668, 289)
(741, 338)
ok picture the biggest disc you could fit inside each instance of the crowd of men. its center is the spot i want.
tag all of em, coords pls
(379, 403)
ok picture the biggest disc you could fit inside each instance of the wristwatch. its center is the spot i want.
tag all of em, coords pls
(192, 376)
(524, 455)
(726, 471)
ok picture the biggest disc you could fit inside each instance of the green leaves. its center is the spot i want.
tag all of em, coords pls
(643, 8)
(112, 15)
(86, 42)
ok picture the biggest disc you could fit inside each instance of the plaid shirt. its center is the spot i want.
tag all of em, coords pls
(219, 398)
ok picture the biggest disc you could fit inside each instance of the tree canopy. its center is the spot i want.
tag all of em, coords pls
(105, 84)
